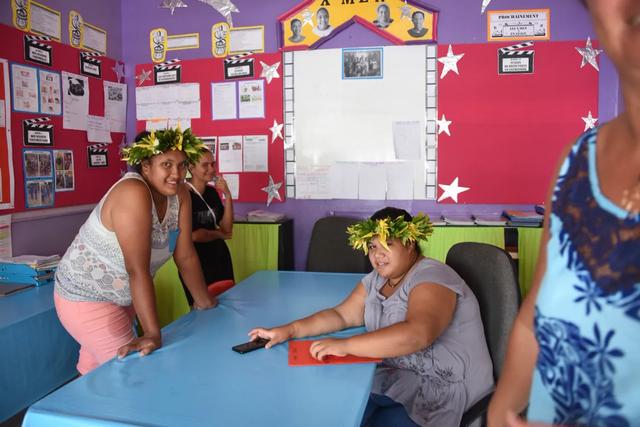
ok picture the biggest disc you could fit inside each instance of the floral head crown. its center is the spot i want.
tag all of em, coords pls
(161, 141)
(419, 228)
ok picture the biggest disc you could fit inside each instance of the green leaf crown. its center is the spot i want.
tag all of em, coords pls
(419, 228)
(161, 141)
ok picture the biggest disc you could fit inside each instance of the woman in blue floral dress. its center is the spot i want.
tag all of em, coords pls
(575, 348)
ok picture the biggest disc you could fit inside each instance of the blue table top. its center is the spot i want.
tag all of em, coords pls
(15, 308)
(196, 379)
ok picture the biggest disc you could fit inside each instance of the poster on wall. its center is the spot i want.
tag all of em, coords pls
(94, 38)
(230, 153)
(7, 187)
(97, 155)
(50, 92)
(37, 132)
(90, 65)
(75, 102)
(24, 83)
(65, 179)
(45, 21)
(115, 105)
(526, 24)
(224, 104)
(36, 51)
(38, 175)
(251, 99)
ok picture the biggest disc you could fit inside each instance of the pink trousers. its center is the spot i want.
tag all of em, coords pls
(100, 328)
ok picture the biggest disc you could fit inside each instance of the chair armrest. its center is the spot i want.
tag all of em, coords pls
(478, 410)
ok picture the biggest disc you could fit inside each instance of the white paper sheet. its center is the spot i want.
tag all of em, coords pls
(230, 154)
(372, 181)
(2, 115)
(98, 129)
(344, 180)
(313, 182)
(25, 88)
(400, 180)
(168, 100)
(115, 105)
(224, 101)
(407, 138)
(75, 101)
(256, 157)
(251, 99)
(160, 124)
(5, 236)
(233, 182)
(50, 93)
(44, 21)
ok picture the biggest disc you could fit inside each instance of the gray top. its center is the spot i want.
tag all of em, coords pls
(438, 383)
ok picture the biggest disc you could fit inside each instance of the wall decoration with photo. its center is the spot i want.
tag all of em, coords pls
(38, 178)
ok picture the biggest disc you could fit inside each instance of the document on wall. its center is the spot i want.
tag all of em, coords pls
(50, 93)
(251, 95)
(372, 181)
(5, 236)
(233, 182)
(115, 105)
(98, 129)
(344, 180)
(407, 139)
(161, 124)
(400, 180)
(230, 153)
(168, 101)
(223, 101)
(2, 115)
(256, 153)
(24, 82)
(75, 101)
(313, 182)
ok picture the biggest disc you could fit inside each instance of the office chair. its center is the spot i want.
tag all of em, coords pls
(489, 271)
(329, 249)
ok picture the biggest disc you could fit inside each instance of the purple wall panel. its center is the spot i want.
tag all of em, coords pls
(460, 22)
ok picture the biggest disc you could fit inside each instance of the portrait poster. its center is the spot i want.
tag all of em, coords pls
(24, 84)
(75, 101)
(50, 92)
(65, 179)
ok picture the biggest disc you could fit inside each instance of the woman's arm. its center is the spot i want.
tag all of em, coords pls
(349, 313)
(128, 214)
(186, 257)
(430, 310)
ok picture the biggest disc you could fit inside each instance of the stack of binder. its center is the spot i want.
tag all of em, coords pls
(28, 269)
(523, 218)
(489, 219)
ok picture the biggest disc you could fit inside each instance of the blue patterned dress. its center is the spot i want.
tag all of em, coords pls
(587, 317)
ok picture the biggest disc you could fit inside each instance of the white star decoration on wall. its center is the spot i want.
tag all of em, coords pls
(172, 5)
(405, 11)
(119, 70)
(276, 131)
(451, 191)
(270, 71)
(307, 16)
(272, 190)
(225, 7)
(485, 4)
(143, 77)
(443, 125)
(589, 54)
(450, 62)
(589, 121)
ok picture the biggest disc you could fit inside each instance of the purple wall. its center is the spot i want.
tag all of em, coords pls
(460, 22)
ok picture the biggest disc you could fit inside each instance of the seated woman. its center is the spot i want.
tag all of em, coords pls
(212, 222)
(420, 317)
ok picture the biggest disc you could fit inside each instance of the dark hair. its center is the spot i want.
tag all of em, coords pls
(139, 137)
(325, 11)
(295, 20)
(391, 212)
(416, 13)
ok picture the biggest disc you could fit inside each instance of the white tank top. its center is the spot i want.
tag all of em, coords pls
(92, 269)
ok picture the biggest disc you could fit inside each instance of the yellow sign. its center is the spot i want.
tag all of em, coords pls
(76, 28)
(21, 14)
(220, 39)
(399, 20)
(158, 44)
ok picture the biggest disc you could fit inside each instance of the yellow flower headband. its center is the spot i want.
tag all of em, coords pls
(419, 228)
(161, 141)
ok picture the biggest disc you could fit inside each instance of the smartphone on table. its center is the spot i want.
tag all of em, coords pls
(250, 346)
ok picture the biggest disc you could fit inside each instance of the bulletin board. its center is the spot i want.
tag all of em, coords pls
(89, 183)
(206, 71)
(507, 132)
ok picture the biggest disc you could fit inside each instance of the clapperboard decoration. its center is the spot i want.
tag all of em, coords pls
(36, 51)
(90, 65)
(238, 66)
(36, 132)
(516, 59)
(167, 72)
(97, 155)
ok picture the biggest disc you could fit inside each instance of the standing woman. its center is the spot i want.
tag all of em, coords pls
(212, 221)
(574, 350)
(106, 276)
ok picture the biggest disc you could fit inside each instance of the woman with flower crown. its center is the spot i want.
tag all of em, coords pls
(106, 276)
(420, 317)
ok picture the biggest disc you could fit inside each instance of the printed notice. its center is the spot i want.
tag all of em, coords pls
(507, 25)
(251, 99)
(223, 99)
(115, 105)
(75, 102)
(255, 153)
(50, 96)
(230, 154)
(25, 88)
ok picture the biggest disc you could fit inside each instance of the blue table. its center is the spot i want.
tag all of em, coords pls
(195, 379)
(36, 354)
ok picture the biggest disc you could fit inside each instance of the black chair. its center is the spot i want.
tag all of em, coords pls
(329, 249)
(490, 273)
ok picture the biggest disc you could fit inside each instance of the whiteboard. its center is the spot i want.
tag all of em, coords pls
(338, 120)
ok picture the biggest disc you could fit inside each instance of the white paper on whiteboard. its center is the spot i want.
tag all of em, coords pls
(313, 182)
(407, 138)
(372, 181)
(168, 100)
(224, 101)
(344, 180)
(233, 182)
(400, 180)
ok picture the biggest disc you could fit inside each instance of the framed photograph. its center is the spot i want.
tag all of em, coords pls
(362, 63)
(97, 157)
(37, 163)
(39, 193)
(65, 178)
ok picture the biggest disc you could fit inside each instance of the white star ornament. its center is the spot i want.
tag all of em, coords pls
(276, 131)
(451, 191)
(589, 54)
(450, 62)
(443, 125)
(143, 77)
(272, 190)
(172, 5)
(270, 71)
(589, 121)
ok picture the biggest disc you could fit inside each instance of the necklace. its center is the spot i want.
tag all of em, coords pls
(395, 285)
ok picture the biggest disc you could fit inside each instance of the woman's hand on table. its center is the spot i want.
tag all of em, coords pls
(275, 335)
(211, 302)
(143, 345)
(328, 347)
